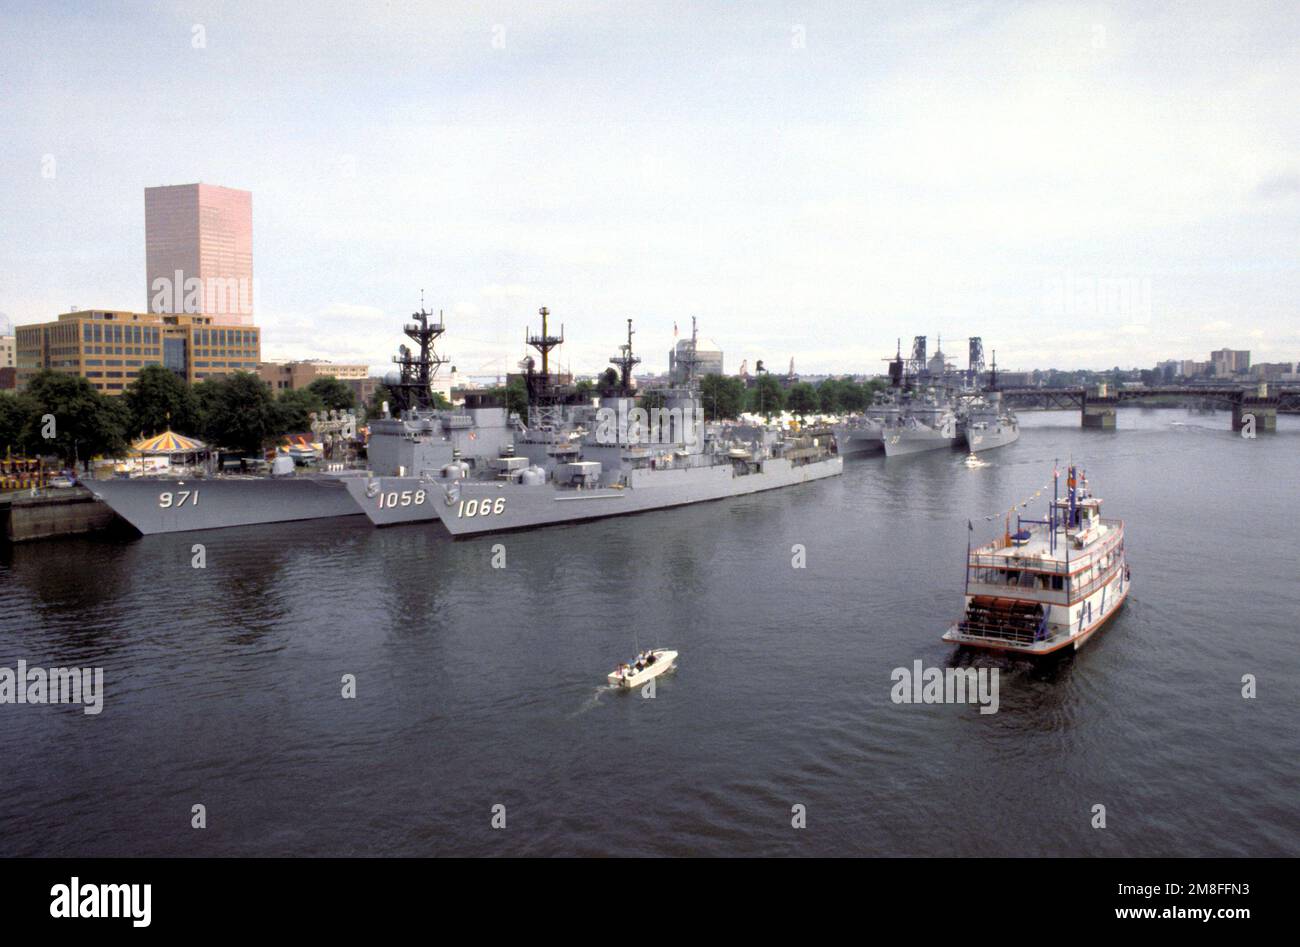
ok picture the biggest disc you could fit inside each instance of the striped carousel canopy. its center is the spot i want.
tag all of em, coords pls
(168, 442)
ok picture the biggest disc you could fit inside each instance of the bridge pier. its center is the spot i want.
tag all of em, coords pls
(1262, 410)
(1099, 409)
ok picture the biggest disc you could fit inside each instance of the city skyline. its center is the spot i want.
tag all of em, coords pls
(1080, 189)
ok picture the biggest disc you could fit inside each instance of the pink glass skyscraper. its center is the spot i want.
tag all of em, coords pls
(199, 251)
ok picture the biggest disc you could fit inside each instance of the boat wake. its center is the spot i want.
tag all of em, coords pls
(591, 702)
(974, 462)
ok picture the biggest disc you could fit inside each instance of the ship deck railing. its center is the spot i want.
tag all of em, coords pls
(1010, 633)
(997, 555)
(1027, 587)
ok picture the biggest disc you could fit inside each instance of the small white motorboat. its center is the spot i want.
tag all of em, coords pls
(650, 664)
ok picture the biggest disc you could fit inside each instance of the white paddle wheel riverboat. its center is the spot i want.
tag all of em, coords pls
(1048, 584)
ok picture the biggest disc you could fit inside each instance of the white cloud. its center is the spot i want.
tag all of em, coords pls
(912, 170)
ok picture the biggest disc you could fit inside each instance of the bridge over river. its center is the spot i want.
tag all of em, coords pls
(1256, 404)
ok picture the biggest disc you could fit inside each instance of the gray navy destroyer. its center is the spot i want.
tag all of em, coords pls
(625, 458)
(926, 416)
(985, 421)
(422, 435)
(414, 440)
(929, 406)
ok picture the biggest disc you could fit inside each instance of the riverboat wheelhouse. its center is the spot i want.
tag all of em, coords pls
(1048, 584)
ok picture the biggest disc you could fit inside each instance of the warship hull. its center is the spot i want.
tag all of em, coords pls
(980, 439)
(915, 440)
(490, 507)
(389, 501)
(858, 440)
(176, 506)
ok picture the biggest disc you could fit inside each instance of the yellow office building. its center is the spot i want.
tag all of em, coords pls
(109, 347)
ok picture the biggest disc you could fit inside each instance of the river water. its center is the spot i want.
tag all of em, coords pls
(479, 687)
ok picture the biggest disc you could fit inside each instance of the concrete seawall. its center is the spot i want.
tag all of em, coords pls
(62, 513)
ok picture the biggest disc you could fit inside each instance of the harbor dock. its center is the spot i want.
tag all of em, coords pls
(51, 513)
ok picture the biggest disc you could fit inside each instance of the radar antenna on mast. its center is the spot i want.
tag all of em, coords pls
(415, 385)
(896, 367)
(626, 361)
(545, 342)
(691, 361)
(543, 397)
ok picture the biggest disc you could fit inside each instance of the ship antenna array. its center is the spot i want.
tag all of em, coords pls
(626, 361)
(896, 366)
(417, 371)
(545, 342)
(544, 411)
(692, 361)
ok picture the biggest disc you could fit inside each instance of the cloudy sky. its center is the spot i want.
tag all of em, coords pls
(1081, 184)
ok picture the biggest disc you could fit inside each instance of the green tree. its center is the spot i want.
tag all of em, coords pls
(16, 412)
(801, 399)
(722, 396)
(238, 412)
(82, 421)
(334, 394)
(767, 397)
(828, 396)
(584, 389)
(853, 397)
(294, 408)
(610, 381)
(157, 400)
(375, 406)
(517, 398)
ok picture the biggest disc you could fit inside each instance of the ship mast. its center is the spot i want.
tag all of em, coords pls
(691, 361)
(544, 411)
(896, 367)
(415, 387)
(544, 343)
(625, 361)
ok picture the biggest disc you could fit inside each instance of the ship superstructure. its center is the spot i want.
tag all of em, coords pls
(925, 419)
(415, 440)
(641, 455)
(984, 421)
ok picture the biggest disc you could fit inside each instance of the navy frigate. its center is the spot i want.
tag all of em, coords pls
(633, 458)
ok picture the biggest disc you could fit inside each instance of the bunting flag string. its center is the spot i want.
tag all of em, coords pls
(1019, 505)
